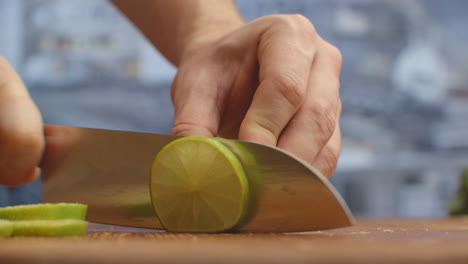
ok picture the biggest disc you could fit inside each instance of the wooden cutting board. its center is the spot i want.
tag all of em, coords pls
(369, 241)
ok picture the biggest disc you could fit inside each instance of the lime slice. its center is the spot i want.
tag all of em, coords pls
(44, 211)
(50, 228)
(6, 228)
(198, 185)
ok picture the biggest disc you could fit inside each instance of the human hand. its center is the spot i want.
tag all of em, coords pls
(273, 81)
(21, 131)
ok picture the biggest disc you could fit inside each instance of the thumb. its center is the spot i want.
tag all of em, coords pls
(197, 110)
(21, 132)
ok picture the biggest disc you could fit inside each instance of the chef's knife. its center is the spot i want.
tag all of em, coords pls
(109, 170)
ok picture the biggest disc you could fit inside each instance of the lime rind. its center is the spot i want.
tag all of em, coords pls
(250, 164)
(50, 228)
(184, 163)
(44, 211)
(6, 228)
(51, 220)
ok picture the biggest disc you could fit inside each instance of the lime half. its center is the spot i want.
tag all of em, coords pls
(198, 185)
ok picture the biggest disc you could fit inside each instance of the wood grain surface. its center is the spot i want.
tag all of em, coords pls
(369, 241)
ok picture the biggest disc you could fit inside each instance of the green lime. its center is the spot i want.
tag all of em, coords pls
(198, 185)
(50, 228)
(6, 228)
(44, 211)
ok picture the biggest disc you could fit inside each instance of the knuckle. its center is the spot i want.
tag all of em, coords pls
(268, 129)
(300, 19)
(323, 115)
(330, 161)
(302, 23)
(182, 128)
(20, 153)
(291, 88)
(294, 22)
(187, 129)
(334, 53)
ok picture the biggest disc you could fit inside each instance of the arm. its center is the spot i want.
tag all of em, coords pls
(173, 25)
(274, 80)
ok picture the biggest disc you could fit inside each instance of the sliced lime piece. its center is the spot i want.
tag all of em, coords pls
(6, 228)
(50, 228)
(44, 211)
(198, 185)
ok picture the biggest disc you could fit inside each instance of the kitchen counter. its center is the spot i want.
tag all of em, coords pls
(369, 241)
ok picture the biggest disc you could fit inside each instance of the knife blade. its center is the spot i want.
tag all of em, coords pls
(109, 170)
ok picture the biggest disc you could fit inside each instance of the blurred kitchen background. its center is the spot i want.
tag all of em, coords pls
(404, 87)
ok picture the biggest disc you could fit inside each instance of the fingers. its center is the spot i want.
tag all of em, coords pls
(295, 105)
(197, 111)
(21, 136)
(316, 121)
(285, 56)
